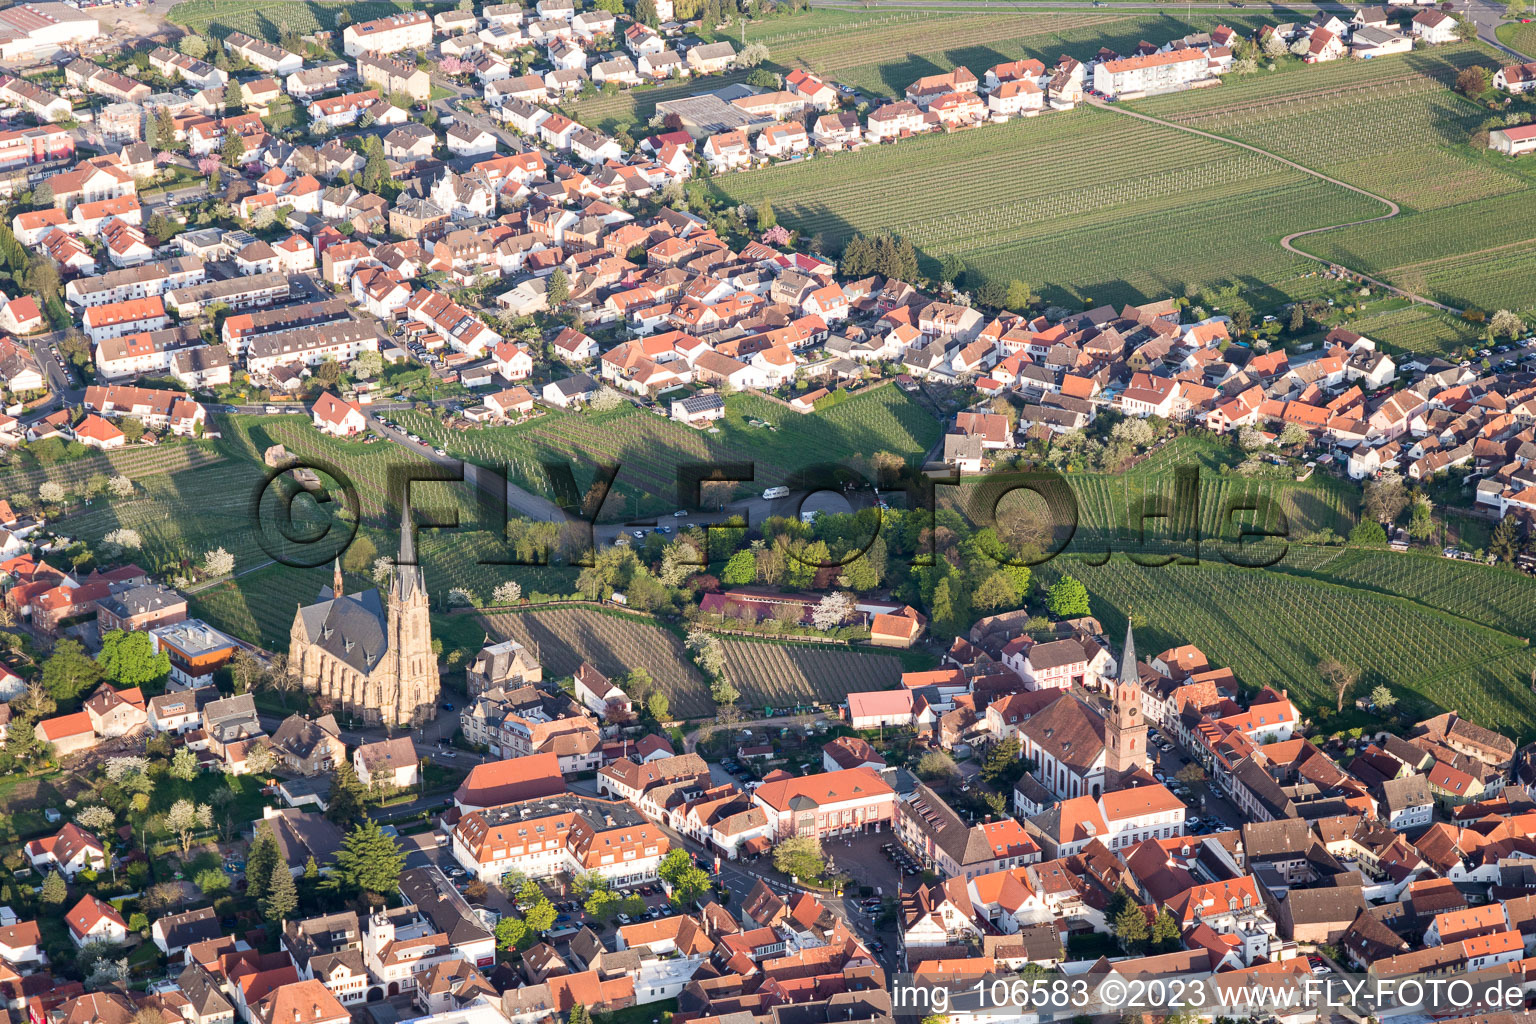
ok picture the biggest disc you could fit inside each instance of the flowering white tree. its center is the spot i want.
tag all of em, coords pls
(96, 818)
(126, 537)
(50, 492)
(605, 399)
(707, 652)
(106, 973)
(382, 567)
(833, 610)
(460, 597)
(185, 818)
(509, 592)
(119, 768)
(1250, 439)
(218, 562)
(120, 487)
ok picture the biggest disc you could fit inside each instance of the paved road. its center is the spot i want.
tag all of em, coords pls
(1487, 17)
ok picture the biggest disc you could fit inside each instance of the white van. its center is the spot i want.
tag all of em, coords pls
(775, 492)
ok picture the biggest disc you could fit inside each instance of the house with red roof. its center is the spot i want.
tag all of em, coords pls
(94, 920)
(1230, 907)
(828, 804)
(96, 432)
(338, 418)
(897, 629)
(67, 734)
(876, 709)
(69, 851)
(21, 315)
(516, 778)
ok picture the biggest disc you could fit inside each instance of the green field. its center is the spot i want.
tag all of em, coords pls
(648, 449)
(1518, 37)
(1397, 129)
(767, 674)
(1419, 328)
(881, 52)
(1141, 211)
(1273, 628)
(1101, 504)
(270, 19)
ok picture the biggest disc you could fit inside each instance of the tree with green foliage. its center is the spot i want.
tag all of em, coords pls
(360, 555)
(369, 861)
(1165, 937)
(739, 570)
(69, 671)
(558, 289)
(996, 593)
(645, 13)
(1130, 927)
(193, 46)
(951, 267)
(942, 608)
(55, 891)
(129, 658)
(689, 882)
(512, 933)
(261, 861)
(376, 171)
(541, 916)
(1421, 522)
(1003, 766)
(1067, 598)
(659, 706)
(281, 897)
(184, 765)
(800, 857)
(232, 149)
(765, 216)
(1505, 541)
(1368, 534)
(1384, 699)
(349, 797)
(580, 1014)
(1019, 296)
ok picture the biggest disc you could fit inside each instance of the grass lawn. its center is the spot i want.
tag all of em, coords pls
(1518, 37)
(659, 1012)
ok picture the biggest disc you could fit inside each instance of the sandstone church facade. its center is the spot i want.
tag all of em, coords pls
(367, 654)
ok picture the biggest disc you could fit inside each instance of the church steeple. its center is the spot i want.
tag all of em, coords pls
(1129, 673)
(408, 579)
(1125, 732)
(336, 579)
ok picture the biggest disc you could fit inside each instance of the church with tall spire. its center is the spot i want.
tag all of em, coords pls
(368, 654)
(1125, 727)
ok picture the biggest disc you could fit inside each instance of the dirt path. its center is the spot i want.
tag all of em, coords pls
(1286, 243)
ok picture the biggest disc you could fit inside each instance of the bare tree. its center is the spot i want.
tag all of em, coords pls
(1338, 676)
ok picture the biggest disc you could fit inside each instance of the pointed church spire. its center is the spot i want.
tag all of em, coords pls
(1129, 672)
(408, 577)
(407, 541)
(336, 579)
